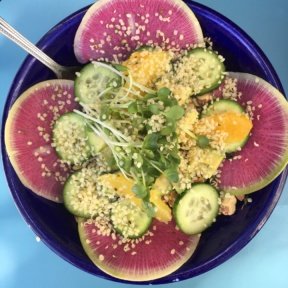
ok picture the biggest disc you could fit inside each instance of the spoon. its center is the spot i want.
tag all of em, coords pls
(61, 72)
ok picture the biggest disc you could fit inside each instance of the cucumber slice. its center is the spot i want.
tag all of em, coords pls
(210, 72)
(96, 143)
(70, 138)
(129, 220)
(81, 197)
(223, 105)
(196, 209)
(232, 147)
(94, 80)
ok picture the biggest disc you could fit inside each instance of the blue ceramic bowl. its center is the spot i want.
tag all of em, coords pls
(57, 228)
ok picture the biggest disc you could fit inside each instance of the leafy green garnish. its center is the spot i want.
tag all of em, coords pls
(140, 190)
(174, 113)
(172, 175)
(149, 96)
(140, 131)
(163, 92)
(132, 108)
(151, 141)
(169, 129)
(202, 141)
(154, 109)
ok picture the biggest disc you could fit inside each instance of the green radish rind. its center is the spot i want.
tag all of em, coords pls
(135, 268)
(281, 105)
(199, 216)
(144, 48)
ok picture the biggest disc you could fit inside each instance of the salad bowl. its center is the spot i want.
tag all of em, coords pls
(57, 228)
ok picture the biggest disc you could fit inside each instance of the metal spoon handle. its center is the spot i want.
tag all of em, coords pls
(8, 31)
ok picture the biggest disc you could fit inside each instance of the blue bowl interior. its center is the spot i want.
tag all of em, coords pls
(58, 229)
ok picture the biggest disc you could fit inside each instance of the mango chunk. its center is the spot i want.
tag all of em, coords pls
(148, 65)
(163, 211)
(162, 185)
(236, 125)
(123, 187)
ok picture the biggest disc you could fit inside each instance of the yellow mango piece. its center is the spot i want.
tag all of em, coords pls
(146, 66)
(163, 211)
(206, 161)
(236, 125)
(162, 185)
(121, 185)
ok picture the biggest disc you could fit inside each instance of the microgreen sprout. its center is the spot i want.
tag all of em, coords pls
(104, 92)
(203, 141)
(138, 125)
(116, 133)
(119, 73)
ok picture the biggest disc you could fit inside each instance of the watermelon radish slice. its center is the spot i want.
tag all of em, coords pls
(28, 136)
(161, 252)
(265, 154)
(114, 29)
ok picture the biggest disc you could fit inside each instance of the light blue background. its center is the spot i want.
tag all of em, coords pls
(26, 263)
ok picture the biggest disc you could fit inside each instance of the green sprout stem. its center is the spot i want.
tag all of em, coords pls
(143, 178)
(105, 91)
(103, 136)
(138, 85)
(116, 133)
(152, 164)
(189, 133)
(135, 93)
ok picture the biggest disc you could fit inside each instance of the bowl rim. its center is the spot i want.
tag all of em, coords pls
(231, 250)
